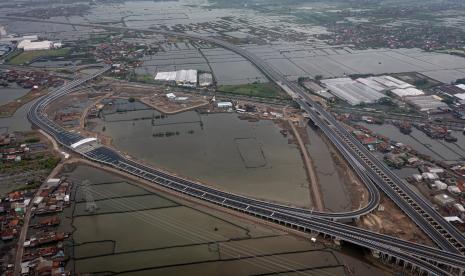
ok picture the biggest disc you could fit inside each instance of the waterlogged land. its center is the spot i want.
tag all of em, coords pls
(245, 157)
(134, 231)
(241, 156)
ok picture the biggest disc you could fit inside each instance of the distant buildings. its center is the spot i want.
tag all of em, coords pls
(224, 104)
(352, 91)
(28, 45)
(426, 102)
(186, 78)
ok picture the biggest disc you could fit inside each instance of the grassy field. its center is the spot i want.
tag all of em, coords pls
(262, 90)
(26, 57)
(143, 78)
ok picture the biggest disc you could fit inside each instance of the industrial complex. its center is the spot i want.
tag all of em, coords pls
(232, 138)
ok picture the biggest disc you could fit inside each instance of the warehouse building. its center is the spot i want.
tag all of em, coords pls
(352, 91)
(406, 92)
(28, 45)
(186, 78)
(426, 102)
(224, 104)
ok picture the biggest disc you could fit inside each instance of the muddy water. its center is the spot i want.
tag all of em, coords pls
(336, 194)
(8, 94)
(251, 158)
(172, 238)
(438, 149)
(17, 122)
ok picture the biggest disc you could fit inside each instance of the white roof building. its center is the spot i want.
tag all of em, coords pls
(404, 92)
(453, 190)
(460, 96)
(166, 76)
(181, 77)
(461, 86)
(224, 104)
(440, 185)
(28, 45)
(426, 102)
(372, 84)
(352, 91)
(390, 82)
(171, 96)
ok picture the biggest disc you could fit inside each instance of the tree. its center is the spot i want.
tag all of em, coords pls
(318, 77)
(131, 100)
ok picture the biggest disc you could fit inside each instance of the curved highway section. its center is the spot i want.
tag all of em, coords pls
(370, 169)
(417, 255)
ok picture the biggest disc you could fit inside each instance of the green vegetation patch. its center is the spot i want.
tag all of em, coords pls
(29, 56)
(262, 90)
(142, 78)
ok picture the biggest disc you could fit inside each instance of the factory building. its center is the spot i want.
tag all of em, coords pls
(426, 102)
(224, 104)
(352, 91)
(29, 45)
(186, 78)
(406, 92)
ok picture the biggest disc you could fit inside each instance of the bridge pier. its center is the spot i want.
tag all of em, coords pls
(375, 253)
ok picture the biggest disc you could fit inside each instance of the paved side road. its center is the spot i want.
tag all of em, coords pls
(27, 219)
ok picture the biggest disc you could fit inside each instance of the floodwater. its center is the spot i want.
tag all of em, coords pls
(336, 194)
(438, 149)
(8, 94)
(250, 158)
(17, 122)
(166, 236)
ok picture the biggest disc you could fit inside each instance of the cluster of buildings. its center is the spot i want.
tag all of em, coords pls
(373, 89)
(12, 211)
(119, 50)
(30, 42)
(446, 189)
(367, 35)
(457, 95)
(36, 45)
(444, 184)
(44, 253)
(352, 91)
(185, 78)
(29, 79)
(15, 149)
(10, 150)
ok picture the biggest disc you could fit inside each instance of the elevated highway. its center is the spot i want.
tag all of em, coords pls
(371, 170)
(426, 259)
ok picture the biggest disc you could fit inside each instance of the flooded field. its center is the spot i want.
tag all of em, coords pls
(8, 94)
(142, 233)
(17, 122)
(251, 158)
(335, 192)
(245, 157)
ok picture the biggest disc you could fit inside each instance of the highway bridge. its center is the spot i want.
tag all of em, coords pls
(415, 206)
(374, 173)
(423, 258)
